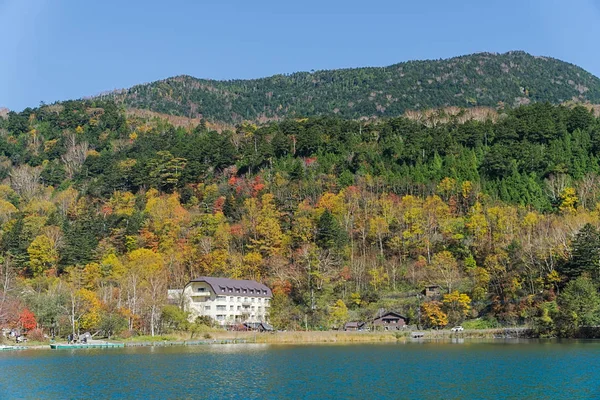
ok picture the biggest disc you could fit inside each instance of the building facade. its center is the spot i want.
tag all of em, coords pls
(390, 321)
(227, 301)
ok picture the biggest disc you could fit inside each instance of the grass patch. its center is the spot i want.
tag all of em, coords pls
(480, 324)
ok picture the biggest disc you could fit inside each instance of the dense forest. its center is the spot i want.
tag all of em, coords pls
(101, 213)
(482, 79)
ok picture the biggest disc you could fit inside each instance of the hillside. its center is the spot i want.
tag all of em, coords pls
(482, 79)
(102, 210)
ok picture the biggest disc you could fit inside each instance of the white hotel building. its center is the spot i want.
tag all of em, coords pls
(227, 301)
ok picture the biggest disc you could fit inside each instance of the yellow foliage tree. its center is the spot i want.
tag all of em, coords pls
(457, 305)
(42, 255)
(568, 200)
(433, 316)
(253, 265)
(269, 237)
(92, 307)
(338, 314)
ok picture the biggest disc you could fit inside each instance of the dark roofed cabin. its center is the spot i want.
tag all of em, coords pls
(390, 321)
(354, 326)
(258, 326)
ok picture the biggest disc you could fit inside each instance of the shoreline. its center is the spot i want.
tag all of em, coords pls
(311, 337)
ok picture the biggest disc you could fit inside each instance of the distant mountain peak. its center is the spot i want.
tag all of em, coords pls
(480, 79)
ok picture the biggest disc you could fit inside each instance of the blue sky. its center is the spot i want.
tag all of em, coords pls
(63, 49)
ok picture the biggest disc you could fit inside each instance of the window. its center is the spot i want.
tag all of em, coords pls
(230, 308)
(207, 308)
(252, 308)
(253, 299)
(259, 308)
(201, 289)
(221, 308)
(260, 299)
(252, 291)
(245, 291)
(230, 290)
(237, 290)
(239, 308)
(239, 299)
(231, 298)
(221, 297)
(245, 299)
(220, 317)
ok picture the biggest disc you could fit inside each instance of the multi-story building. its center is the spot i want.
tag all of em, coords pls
(227, 301)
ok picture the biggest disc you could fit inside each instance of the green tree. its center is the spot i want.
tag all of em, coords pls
(585, 253)
(578, 306)
(329, 235)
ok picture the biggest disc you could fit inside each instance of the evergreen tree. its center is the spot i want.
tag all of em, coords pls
(585, 254)
(329, 234)
(579, 306)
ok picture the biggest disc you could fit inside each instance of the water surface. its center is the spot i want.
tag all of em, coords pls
(475, 370)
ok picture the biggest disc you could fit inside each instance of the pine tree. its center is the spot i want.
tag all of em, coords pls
(585, 253)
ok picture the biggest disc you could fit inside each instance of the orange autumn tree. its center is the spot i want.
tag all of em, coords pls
(27, 320)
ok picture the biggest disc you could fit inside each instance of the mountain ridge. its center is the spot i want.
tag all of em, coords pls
(479, 79)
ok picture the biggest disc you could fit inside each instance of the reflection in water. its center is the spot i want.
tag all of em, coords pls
(488, 370)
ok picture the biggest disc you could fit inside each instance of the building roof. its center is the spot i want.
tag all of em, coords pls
(259, 326)
(354, 324)
(229, 286)
(390, 315)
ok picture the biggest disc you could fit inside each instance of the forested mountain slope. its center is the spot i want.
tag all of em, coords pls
(101, 211)
(482, 79)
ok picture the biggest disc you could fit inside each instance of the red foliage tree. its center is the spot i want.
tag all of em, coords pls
(27, 320)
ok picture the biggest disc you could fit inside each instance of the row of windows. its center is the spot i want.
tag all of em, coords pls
(239, 308)
(221, 317)
(245, 299)
(242, 290)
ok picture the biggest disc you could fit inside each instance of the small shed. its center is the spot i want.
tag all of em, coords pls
(432, 291)
(259, 326)
(390, 321)
(354, 326)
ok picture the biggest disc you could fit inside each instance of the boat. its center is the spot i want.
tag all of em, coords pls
(99, 345)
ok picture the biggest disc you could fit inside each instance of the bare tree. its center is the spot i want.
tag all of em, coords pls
(25, 180)
(75, 155)
(555, 184)
(587, 189)
(7, 276)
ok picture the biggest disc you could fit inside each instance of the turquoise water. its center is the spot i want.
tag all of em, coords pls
(497, 370)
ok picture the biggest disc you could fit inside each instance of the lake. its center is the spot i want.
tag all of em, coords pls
(478, 370)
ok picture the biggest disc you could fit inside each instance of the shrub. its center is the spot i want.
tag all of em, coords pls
(480, 324)
(36, 334)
